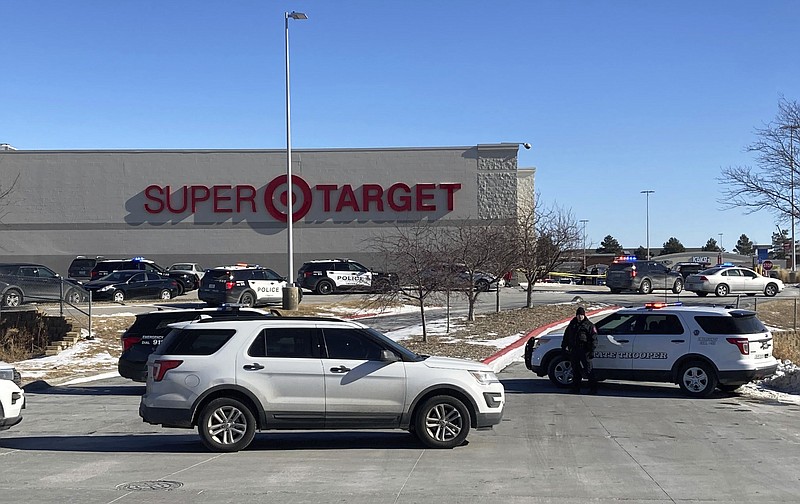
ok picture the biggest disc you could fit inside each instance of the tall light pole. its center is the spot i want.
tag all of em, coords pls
(290, 292)
(584, 221)
(791, 128)
(647, 193)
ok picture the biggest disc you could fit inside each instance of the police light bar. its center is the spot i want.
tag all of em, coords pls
(627, 258)
(655, 306)
(138, 258)
(726, 264)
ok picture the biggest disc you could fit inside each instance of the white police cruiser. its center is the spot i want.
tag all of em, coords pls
(327, 276)
(698, 347)
(245, 284)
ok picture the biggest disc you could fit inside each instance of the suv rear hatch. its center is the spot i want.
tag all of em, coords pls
(81, 268)
(744, 331)
(619, 275)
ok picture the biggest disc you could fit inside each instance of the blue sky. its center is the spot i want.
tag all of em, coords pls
(615, 96)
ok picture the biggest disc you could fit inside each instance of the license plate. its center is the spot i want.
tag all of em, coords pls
(761, 356)
(212, 286)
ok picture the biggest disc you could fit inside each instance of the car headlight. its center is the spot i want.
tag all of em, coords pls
(537, 342)
(7, 374)
(484, 377)
(106, 288)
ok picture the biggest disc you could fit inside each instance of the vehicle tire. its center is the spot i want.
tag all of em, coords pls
(721, 290)
(702, 294)
(560, 371)
(181, 289)
(728, 388)
(248, 299)
(697, 379)
(226, 425)
(324, 287)
(770, 290)
(677, 287)
(482, 286)
(165, 294)
(442, 422)
(118, 296)
(12, 298)
(646, 287)
(73, 297)
(616, 291)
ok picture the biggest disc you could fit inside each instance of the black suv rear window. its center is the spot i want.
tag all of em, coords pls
(737, 324)
(83, 263)
(619, 266)
(156, 324)
(195, 341)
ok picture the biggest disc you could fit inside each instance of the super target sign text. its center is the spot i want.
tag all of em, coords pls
(333, 198)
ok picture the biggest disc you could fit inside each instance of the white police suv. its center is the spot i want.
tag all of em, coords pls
(230, 378)
(12, 397)
(246, 284)
(698, 347)
(326, 276)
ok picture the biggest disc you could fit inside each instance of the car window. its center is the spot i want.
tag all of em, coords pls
(118, 276)
(83, 263)
(287, 342)
(357, 267)
(257, 275)
(340, 266)
(271, 275)
(350, 344)
(27, 271)
(6, 270)
(662, 324)
(181, 267)
(617, 323)
(218, 275)
(741, 324)
(153, 276)
(140, 277)
(194, 341)
(46, 273)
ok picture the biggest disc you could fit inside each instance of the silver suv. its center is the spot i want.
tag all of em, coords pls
(698, 347)
(231, 378)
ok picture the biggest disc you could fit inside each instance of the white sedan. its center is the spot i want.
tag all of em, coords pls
(192, 268)
(725, 280)
(12, 398)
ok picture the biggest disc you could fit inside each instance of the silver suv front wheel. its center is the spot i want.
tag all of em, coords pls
(226, 425)
(442, 422)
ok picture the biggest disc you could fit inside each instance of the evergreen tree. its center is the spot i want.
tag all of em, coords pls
(609, 245)
(672, 246)
(778, 239)
(744, 246)
(640, 253)
(711, 246)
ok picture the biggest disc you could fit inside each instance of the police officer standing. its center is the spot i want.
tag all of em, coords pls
(580, 340)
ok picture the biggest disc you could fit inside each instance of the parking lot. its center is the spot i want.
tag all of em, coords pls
(632, 442)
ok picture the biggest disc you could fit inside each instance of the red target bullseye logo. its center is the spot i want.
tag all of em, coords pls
(270, 198)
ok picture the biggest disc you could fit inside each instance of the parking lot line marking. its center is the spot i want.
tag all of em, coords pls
(192, 466)
(408, 477)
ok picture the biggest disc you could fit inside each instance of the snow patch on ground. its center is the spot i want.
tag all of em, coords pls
(783, 386)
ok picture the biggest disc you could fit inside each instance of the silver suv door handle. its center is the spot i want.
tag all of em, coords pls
(253, 367)
(340, 369)
(621, 340)
(677, 341)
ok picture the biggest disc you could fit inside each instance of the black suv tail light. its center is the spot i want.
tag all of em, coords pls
(129, 341)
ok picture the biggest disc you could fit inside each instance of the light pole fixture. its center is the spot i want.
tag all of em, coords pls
(791, 128)
(584, 221)
(647, 193)
(290, 292)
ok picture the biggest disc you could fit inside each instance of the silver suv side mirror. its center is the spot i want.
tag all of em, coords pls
(389, 356)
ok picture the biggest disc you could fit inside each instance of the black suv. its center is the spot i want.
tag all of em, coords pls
(246, 284)
(147, 331)
(25, 282)
(644, 276)
(186, 281)
(81, 267)
(327, 276)
(689, 268)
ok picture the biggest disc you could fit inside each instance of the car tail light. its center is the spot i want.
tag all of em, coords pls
(307, 274)
(129, 341)
(742, 343)
(229, 285)
(160, 368)
(703, 278)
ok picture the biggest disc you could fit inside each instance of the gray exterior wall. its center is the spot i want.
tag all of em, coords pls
(69, 203)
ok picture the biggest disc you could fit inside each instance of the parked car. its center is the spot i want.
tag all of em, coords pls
(12, 397)
(80, 269)
(630, 274)
(246, 284)
(230, 378)
(186, 281)
(128, 284)
(698, 347)
(326, 276)
(149, 329)
(193, 268)
(724, 280)
(457, 277)
(26, 283)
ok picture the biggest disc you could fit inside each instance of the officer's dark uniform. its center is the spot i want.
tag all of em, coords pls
(580, 340)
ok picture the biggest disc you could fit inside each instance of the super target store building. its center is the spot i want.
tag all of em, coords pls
(225, 206)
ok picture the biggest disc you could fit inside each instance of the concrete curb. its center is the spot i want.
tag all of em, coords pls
(514, 351)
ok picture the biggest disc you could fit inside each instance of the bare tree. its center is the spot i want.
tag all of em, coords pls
(5, 193)
(544, 238)
(413, 251)
(767, 186)
(477, 249)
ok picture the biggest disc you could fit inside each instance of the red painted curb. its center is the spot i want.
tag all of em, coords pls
(532, 334)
